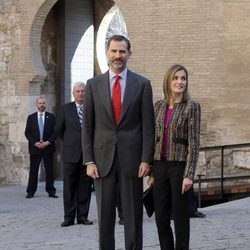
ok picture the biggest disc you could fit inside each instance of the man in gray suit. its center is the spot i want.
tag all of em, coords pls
(76, 183)
(118, 139)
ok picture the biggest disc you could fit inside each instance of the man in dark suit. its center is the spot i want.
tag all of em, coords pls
(76, 183)
(40, 132)
(118, 139)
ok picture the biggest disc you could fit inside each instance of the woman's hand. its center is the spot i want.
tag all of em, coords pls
(186, 184)
(150, 181)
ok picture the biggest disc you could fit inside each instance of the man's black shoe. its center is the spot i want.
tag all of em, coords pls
(67, 223)
(197, 214)
(53, 196)
(84, 221)
(28, 196)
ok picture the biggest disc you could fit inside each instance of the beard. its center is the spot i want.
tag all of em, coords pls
(41, 109)
(117, 66)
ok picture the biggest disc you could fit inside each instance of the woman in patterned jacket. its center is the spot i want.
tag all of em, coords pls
(177, 135)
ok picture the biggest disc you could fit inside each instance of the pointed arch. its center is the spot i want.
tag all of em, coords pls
(112, 23)
(35, 36)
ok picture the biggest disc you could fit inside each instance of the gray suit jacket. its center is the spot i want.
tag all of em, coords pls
(134, 135)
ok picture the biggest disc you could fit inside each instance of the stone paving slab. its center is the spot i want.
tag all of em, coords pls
(35, 224)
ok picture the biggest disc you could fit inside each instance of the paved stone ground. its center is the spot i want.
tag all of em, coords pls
(35, 224)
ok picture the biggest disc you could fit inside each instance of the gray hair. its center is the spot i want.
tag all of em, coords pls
(40, 97)
(78, 84)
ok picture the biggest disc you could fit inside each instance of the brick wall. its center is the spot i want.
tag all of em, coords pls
(211, 38)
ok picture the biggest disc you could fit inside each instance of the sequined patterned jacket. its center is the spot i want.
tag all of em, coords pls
(183, 134)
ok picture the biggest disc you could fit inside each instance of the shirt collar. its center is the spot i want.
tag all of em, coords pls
(41, 113)
(123, 74)
(78, 105)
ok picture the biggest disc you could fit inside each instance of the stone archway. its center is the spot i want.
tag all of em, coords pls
(40, 84)
(42, 52)
(62, 52)
(35, 36)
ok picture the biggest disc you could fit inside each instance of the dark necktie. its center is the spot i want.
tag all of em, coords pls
(116, 99)
(80, 113)
(41, 126)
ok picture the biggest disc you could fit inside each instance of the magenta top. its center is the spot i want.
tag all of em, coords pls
(165, 135)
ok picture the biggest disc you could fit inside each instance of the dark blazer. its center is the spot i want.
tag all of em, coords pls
(134, 135)
(33, 135)
(69, 129)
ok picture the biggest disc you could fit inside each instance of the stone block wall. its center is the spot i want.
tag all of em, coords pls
(12, 152)
(16, 72)
(236, 163)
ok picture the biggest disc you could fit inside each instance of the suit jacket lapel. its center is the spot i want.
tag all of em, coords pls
(104, 93)
(130, 90)
(37, 124)
(75, 115)
(45, 120)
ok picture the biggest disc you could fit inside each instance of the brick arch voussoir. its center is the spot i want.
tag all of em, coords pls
(35, 37)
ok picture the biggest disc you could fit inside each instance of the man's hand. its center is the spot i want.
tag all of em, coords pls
(92, 171)
(44, 144)
(186, 184)
(144, 169)
(39, 145)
